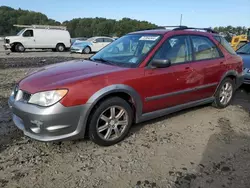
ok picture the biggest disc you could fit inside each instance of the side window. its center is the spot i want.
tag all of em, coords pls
(204, 48)
(225, 44)
(28, 33)
(99, 40)
(177, 49)
(108, 40)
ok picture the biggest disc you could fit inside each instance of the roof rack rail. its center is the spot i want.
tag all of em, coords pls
(42, 26)
(210, 30)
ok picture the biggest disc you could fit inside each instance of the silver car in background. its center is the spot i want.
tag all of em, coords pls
(93, 44)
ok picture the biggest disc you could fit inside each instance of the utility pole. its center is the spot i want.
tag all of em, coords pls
(181, 20)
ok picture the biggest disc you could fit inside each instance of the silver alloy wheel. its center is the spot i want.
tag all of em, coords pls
(226, 93)
(112, 123)
(87, 50)
(61, 48)
(20, 48)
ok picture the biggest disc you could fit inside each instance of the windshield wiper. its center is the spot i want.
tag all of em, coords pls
(103, 61)
(242, 53)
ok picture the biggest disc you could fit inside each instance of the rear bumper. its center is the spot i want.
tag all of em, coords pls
(240, 80)
(52, 123)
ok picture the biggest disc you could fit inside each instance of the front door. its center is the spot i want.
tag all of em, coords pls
(29, 39)
(174, 85)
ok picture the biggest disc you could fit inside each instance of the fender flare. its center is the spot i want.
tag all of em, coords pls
(97, 96)
(228, 73)
(115, 89)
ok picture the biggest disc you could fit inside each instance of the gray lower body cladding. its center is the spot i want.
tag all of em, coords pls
(52, 123)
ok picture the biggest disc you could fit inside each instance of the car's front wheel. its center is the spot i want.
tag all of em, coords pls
(19, 48)
(86, 50)
(224, 93)
(110, 121)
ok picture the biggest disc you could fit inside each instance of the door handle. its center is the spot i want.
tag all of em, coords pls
(221, 62)
(187, 68)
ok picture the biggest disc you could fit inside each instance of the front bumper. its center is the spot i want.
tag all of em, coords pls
(7, 46)
(75, 50)
(246, 79)
(52, 123)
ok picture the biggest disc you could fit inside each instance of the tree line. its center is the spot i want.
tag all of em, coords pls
(86, 27)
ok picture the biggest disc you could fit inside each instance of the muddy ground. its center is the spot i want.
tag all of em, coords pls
(200, 147)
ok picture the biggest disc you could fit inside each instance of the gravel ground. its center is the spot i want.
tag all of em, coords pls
(200, 147)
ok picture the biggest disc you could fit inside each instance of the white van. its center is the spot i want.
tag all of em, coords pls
(56, 38)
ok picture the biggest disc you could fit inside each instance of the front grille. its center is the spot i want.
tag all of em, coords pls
(7, 41)
(26, 96)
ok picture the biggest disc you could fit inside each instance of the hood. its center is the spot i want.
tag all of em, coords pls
(58, 75)
(81, 44)
(246, 60)
(12, 37)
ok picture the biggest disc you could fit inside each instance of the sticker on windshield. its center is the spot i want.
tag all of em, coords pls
(150, 38)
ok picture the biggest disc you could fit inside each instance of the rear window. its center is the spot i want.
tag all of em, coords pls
(225, 44)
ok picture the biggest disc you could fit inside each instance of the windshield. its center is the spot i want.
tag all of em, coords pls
(90, 39)
(129, 50)
(244, 49)
(20, 32)
(79, 43)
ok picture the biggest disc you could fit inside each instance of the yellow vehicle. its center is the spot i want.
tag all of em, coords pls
(240, 40)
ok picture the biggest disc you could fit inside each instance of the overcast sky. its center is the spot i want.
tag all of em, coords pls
(198, 13)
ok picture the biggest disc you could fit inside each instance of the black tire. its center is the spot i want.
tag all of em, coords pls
(104, 106)
(13, 48)
(60, 48)
(19, 48)
(86, 50)
(217, 102)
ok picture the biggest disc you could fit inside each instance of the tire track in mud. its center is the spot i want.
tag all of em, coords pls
(27, 62)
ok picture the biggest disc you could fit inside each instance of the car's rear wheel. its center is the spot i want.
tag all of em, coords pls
(19, 48)
(60, 48)
(86, 50)
(224, 93)
(110, 121)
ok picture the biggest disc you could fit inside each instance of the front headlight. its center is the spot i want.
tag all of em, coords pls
(47, 98)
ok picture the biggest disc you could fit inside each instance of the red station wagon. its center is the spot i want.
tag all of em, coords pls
(140, 76)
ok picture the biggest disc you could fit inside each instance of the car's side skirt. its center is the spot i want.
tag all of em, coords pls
(166, 111)
(157, 97)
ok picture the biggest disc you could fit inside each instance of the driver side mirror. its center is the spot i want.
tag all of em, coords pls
(160, 63)
(94, 41)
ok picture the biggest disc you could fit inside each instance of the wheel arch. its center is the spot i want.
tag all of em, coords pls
(15, 43)
(124, 91)
(229, 74)
(120, 90)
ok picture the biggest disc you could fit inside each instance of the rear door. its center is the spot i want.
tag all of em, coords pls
(209, 63)
(98, 44)
(106, 41)
(29, 39)
(173, 85)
